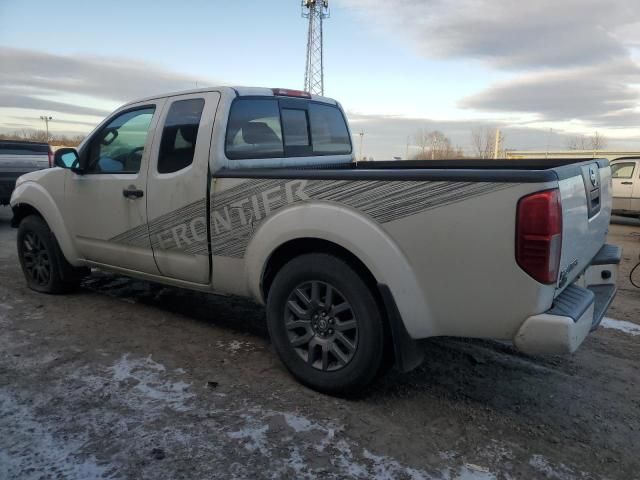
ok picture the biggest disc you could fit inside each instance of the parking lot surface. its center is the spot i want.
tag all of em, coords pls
(127, 379)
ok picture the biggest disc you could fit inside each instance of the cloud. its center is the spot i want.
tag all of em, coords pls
(27, 76)
(511, 34)
(600, 94)
(10, 100)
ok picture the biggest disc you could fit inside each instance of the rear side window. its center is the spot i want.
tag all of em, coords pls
(622, 170)
(254, 130)
(180, 134)
(328, 130)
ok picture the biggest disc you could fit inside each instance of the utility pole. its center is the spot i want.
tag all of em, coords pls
(408, 140)
(316, 11)
(546, 155)
(46, 124)
(361, 140)
(496, 147)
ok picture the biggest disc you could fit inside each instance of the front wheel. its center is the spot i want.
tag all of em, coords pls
(43, 264)
(325, 324)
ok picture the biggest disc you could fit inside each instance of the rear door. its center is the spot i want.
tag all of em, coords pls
(178, 182)
(624, 175)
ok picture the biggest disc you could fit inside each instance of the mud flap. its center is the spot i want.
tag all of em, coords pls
(408, 355)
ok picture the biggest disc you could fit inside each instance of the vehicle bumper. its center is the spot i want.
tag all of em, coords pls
(577, 311)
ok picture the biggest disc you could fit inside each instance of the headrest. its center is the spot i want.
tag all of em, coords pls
(258, 132)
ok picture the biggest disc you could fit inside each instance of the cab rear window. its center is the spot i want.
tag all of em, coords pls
(264, 128)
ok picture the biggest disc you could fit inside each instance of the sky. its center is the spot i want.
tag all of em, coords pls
(541, 71)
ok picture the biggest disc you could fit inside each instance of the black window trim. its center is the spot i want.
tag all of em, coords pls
(87, 146)
(295, 104)
(296, 150)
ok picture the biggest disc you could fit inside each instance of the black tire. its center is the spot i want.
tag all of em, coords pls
(43, 264)
(359, 349)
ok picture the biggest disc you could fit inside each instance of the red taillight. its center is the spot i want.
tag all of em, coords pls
(285, 92)
(539, 235)
(50, 157)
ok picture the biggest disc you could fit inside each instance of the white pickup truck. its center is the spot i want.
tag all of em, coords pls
(254, 192)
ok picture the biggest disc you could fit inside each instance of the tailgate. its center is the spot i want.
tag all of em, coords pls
(585, 190)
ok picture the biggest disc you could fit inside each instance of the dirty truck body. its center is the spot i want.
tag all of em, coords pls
(254, 192)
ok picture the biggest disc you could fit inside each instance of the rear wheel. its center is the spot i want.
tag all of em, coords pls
(43, 264)
(325, 324)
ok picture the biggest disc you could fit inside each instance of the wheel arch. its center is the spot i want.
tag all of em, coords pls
(352, 236)
(29, 198)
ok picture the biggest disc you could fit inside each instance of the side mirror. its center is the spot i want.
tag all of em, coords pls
(66, 158)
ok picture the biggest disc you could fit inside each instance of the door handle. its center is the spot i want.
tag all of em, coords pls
(131, 192)
(626, 183)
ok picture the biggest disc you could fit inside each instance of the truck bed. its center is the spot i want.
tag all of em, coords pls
(520, 171)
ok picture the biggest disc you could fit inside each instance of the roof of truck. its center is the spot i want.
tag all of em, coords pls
(238, 90)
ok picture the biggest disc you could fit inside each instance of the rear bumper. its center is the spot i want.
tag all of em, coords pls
(577, 311)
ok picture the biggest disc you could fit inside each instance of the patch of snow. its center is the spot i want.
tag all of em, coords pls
(560, 472)
(254, 435)
(235, 346)
(621, 325)
(299, 424)
(385, 468)
(149, 382)
(33, 448)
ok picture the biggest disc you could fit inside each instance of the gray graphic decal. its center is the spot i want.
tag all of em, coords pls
(239, 210)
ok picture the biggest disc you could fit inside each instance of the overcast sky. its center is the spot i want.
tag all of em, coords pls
(540, 70)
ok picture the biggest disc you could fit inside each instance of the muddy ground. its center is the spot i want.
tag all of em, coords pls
(127, 379)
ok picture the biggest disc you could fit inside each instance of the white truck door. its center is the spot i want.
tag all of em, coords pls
(624, 174)
(178, 182)
(635, 194)
(106, 205)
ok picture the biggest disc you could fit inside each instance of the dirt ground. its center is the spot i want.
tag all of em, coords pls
(127, 379)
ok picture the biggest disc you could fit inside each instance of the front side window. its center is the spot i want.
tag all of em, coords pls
(622, 170)
(118, 147)
(254, 130)
(328, 130)
(179, 136)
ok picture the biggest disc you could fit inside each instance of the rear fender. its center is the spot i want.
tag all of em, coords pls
(353, 231)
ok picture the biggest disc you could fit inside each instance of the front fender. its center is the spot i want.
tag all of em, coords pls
(353, 231)
(36, 196)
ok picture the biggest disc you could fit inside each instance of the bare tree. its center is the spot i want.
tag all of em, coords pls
(582, 142)
(41, 136)
(434, 145)
(484, 140)
(577, 142)
(598, 142)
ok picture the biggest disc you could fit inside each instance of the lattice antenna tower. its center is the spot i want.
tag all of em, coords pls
(316, 11)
